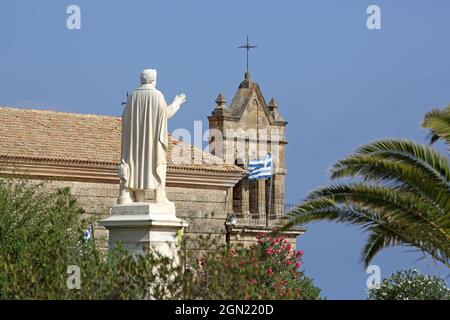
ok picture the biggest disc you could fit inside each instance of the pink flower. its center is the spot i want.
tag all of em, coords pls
(270, 271)
(298, 265)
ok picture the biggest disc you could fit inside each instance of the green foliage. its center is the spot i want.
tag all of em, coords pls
(30, 218)
(410, 285)
(401, 197)
(121, 276)
(438, 121)
(41, 235)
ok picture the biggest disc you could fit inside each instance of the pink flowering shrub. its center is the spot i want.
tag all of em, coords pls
(266, 270)
(282, 262)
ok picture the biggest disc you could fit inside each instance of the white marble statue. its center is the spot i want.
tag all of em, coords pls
(145, 142)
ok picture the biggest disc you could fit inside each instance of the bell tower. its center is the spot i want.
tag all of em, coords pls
(248, 129)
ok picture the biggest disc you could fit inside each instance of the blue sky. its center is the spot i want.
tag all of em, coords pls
(338, 84)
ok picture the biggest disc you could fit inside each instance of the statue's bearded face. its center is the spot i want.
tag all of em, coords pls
(148, 76)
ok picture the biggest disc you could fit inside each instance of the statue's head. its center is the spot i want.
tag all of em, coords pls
(148, 76)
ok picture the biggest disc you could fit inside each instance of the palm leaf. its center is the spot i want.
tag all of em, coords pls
(369, 220)
(412, 153)
(398, 207)
(438, 121)
(398, 175)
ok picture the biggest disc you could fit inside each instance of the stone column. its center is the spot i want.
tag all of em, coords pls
(253, 199)
(245, 196)
(270, 185)
(229, 200)
(278, 194)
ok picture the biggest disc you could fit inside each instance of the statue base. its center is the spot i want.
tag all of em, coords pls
(140, 226)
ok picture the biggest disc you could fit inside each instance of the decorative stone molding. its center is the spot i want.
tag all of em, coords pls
(102, 173)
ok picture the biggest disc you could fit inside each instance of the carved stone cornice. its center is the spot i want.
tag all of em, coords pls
(107, 173)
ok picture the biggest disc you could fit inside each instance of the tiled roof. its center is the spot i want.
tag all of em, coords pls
(83, 138)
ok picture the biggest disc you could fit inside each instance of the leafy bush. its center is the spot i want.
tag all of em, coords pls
(411, 285)
(41, 234)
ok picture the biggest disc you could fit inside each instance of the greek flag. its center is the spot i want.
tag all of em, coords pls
(87, 234)
(260, 169)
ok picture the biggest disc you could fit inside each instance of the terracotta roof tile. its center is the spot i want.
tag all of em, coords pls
(84, 138)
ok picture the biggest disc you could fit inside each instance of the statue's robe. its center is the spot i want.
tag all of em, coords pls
(144, 139)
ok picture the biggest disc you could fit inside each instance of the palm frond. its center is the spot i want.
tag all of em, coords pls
(366, 219)
(375, 243)
(438, 121)
(397, 175)
(409, 152)
(398, 207)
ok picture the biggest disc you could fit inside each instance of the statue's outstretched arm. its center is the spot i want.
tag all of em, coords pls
(175, 105)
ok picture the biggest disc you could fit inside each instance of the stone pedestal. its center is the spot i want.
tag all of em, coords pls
(141, 225)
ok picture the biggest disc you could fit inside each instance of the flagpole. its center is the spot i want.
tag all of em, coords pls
(258, 157)
(269, 207)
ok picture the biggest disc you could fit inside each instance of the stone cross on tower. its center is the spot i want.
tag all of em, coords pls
(248, 47)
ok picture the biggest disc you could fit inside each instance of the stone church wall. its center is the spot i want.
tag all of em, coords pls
(203, 209)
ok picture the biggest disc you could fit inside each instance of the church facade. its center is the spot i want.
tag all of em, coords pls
(82, 151)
